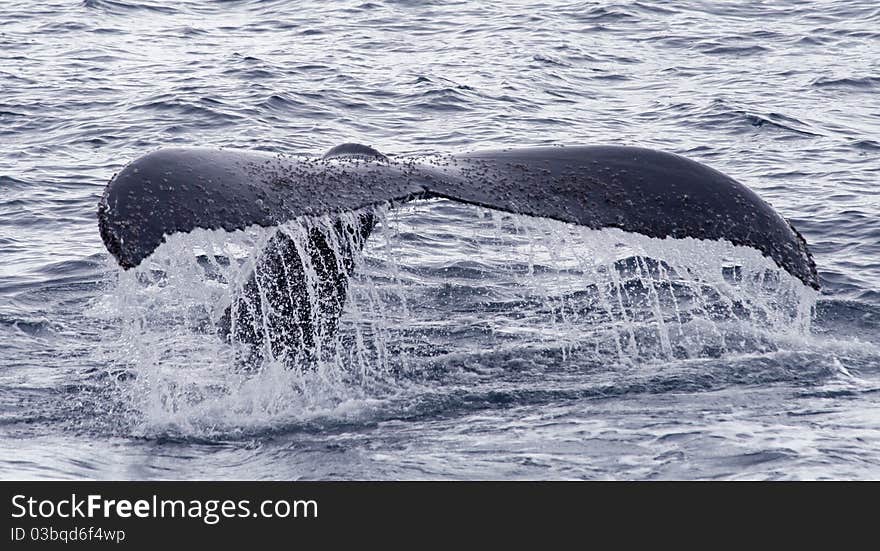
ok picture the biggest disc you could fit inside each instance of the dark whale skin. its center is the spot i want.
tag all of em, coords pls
(635, 189)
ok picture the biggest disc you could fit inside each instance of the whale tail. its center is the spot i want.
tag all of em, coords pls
(634, 189)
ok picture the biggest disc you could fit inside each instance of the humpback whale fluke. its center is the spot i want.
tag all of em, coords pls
(634, 189)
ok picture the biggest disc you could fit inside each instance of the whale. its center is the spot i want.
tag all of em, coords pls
(634, 189)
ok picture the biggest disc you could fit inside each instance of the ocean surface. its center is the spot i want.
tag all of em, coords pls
(475, 344)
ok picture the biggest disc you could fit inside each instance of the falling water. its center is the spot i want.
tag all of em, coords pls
(621, 299)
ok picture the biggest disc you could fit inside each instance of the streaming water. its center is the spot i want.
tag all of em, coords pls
(618, 300)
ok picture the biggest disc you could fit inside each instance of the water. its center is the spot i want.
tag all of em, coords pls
(473, 344)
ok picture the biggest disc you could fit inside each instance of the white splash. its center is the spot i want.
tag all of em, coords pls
(439, 275)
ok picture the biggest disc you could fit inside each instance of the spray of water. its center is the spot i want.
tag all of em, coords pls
(431, 279)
